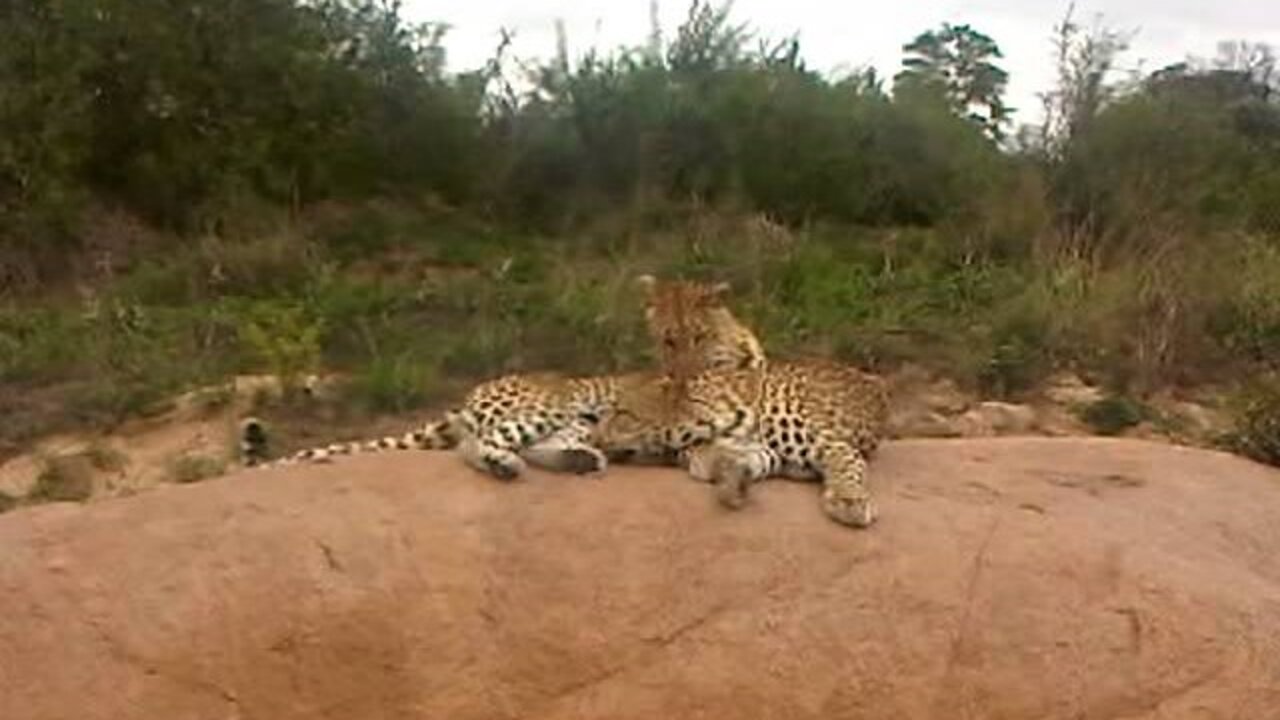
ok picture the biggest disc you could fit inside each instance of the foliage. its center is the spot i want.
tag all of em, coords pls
(1085, 60)
(1256, 430)
(308, 187)
(182, 112)
(285, 338)
(394, 385)
(1113, 415)
(957, 62)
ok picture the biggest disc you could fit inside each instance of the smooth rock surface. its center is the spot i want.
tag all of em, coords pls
(1008, 578)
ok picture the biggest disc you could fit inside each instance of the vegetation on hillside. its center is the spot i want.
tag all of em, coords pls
(196, 189)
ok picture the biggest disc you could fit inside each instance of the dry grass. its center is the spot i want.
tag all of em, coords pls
(195, 468)
(65, 478)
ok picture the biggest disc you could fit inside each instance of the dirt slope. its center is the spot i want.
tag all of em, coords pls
(1017, 578)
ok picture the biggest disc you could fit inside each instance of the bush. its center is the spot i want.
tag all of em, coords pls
(394, 385)
(64, 478)
(1113, 415)
(285, 337)
(1256, 431)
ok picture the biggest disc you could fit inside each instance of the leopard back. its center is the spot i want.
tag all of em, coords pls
(788, 405)
(805, 399)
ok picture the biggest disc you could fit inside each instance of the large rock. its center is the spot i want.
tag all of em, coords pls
(1025, 578)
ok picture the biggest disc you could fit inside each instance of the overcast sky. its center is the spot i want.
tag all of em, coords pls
(844, 34)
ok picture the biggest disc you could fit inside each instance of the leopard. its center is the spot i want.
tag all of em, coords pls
(548, 419)
(803, 419)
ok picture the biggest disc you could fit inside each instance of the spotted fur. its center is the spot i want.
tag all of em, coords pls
(808, 419)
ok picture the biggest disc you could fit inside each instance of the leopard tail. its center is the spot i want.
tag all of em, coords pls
(440, 434)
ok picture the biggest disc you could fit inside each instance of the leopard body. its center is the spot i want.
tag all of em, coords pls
(549, 419)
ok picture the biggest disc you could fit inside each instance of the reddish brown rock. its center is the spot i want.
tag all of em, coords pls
(1022, 578)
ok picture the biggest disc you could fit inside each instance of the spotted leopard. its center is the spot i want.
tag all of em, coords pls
(549, 419)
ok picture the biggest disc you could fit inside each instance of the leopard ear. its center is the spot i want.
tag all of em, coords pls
(720, 290)
(647, 283)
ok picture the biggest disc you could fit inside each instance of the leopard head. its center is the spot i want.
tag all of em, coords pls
(693, 330)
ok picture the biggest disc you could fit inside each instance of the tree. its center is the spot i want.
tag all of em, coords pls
(958, 62)
(1085, 59)
(1256, 61)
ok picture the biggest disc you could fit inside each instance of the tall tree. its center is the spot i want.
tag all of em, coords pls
(1085, 59)
(958, 62)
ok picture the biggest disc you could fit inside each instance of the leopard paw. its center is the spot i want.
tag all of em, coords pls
(504, 467)
(852, 507)
(701, 462)
(583, 461)
(731, 481)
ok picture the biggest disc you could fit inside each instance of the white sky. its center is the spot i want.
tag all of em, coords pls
(837, 34)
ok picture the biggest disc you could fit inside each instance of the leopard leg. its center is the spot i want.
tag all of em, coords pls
(700, 460)
(567, 450)
(497, 451)
(736, 464)
(845, 496)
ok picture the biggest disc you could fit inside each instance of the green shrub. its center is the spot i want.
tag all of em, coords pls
(1113, 415)
(40, 344)
(1020, 352)
(285, 337)
(1256, 421)
(394, 385)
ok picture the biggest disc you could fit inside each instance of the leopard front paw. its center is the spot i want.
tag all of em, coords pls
(701, 462)
(501, 464)
(853, 506)
(583, 461)
(504, 468)
(731, 481)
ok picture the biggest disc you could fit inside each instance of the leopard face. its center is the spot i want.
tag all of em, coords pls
(694, 331)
